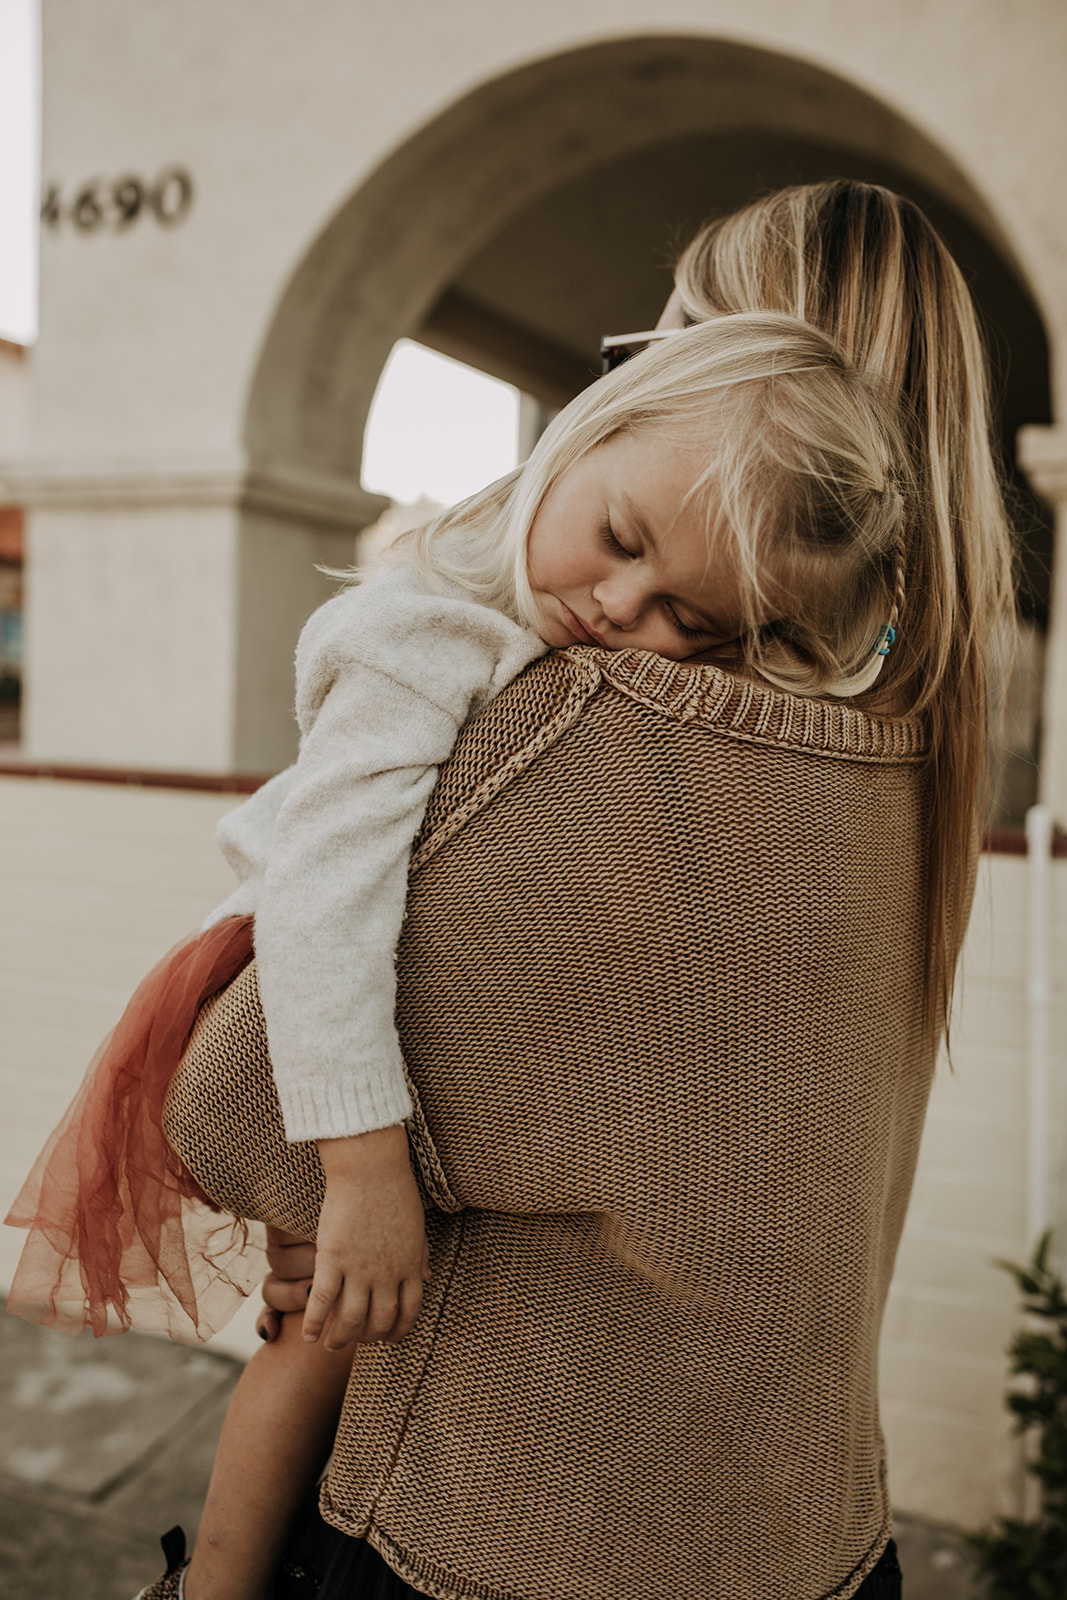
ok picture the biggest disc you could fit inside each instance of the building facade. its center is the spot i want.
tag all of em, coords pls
(246, 206)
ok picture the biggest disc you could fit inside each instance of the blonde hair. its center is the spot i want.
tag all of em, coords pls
(798, 462)
(867, 267)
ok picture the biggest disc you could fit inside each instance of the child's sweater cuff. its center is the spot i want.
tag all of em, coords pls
(341, 1109)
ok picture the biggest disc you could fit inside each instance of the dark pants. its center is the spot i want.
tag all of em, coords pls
(352, 1570)
(884, 1583)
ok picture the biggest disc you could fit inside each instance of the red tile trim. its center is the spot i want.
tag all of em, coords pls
(1012, 842)
(202, 782)
(997, 842)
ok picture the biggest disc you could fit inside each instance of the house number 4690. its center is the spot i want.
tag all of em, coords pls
(117, 204)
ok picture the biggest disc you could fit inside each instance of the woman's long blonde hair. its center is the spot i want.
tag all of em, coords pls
(799, 466)
(867, 267)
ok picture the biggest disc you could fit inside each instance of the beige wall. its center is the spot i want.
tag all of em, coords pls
(951, 1313)
(14, 405)
(97, 882)
(169, 570)
(151, 338)
(325, 95)
(150, 594)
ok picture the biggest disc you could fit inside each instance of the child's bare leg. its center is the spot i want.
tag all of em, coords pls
(278, 1432)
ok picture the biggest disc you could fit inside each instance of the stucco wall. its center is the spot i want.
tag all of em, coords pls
(324, 95)
(152, 337)
(150, 342)
(96, 883)
(14, 404)
(951, 1311)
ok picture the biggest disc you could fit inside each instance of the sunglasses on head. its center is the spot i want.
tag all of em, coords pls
(615, 348)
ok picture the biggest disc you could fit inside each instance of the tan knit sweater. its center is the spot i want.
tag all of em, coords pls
(660, 1003)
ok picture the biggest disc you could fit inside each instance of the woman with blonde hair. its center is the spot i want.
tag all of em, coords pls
(808, 1126)
(867, 267)
(678, 952)
(737, 495)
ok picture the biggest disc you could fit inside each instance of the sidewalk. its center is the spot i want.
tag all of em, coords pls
(104, 1444)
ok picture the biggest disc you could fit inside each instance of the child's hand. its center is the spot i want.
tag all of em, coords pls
(288, 1283)
(371, 1255)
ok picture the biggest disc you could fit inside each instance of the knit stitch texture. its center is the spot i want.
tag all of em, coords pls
(660, 1002)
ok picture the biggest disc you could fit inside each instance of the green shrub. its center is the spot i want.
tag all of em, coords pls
(1019, 1560)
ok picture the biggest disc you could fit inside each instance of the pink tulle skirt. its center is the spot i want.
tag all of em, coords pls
(120, 1233)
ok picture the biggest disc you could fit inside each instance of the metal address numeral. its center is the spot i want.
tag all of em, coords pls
(50, 213)
(121, 202)
(172, 195)
(87, 212)
(127, 196)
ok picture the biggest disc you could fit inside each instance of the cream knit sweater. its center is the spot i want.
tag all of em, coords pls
(386, 676)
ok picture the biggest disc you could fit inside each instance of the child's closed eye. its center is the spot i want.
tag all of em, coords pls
(680, 627)
(612, 541)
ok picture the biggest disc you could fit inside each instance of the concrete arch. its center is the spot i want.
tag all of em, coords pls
(384, 259)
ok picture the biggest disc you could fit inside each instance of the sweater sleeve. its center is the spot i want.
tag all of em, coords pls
(387, 674)
(244, 836)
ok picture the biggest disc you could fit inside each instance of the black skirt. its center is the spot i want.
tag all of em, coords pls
(340, 1568)
(368, 1578)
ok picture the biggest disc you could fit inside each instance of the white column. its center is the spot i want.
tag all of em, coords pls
(164, 605)
(1043, 457)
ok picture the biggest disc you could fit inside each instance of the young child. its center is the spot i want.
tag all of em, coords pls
(733, 495)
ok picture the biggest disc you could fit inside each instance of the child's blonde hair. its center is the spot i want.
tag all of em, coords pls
(798, 462)
(867, 267)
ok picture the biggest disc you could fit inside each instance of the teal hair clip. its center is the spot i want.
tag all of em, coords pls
(885, 640)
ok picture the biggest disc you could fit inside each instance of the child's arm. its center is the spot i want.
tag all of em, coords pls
(371, 1257)
(386, 677)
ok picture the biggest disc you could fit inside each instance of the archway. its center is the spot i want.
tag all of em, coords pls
(544, 208)
(530, 304)
(380, 265)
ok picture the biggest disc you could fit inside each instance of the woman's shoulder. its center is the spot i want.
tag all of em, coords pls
(746, 709)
